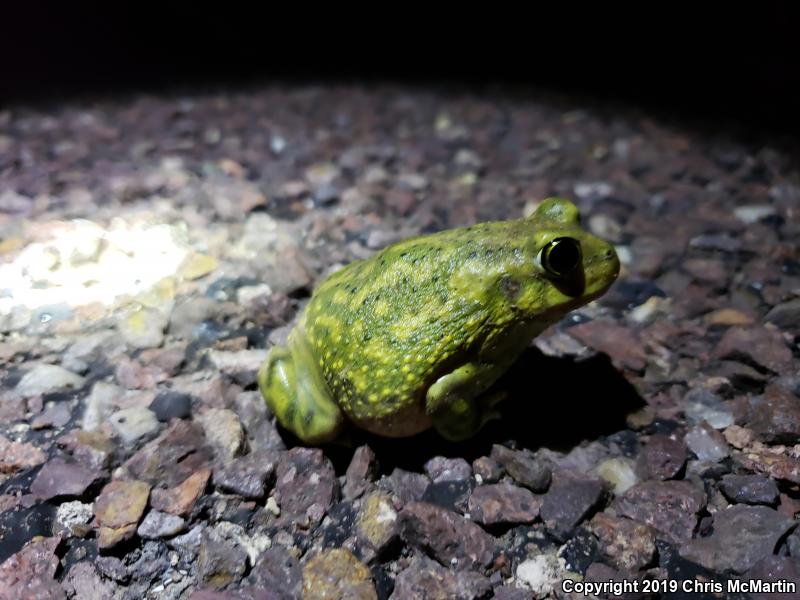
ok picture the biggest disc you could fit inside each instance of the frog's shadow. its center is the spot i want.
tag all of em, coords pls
(551, 402)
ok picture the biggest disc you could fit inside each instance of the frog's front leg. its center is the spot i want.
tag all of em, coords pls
(456, 401)
(296, 393)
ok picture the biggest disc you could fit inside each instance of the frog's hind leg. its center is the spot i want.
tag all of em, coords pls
(298, 396)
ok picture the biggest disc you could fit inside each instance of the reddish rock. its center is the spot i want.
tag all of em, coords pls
(776, 462)
(30, 572)
(305, 487)
(619, 342)
(774, 416)
(361, 472)
(248, 475)
(441, 469)
(58, 478)
(570, 499)
(180, 500)
(663, 457)
(172, 457)
(503, 503)
(629, 545)
(90, 448)
(447, 536)
(670, 507)
(487, 469)
(16, 456)
(425, 578)
(762, 346)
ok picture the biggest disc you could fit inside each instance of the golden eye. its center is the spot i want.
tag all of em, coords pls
(561, 256)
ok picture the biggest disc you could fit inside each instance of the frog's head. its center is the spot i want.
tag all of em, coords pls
(569, 266)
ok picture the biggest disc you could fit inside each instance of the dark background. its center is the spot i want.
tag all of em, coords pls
(723, 66)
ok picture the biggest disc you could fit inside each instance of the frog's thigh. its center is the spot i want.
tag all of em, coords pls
(298, 398)
(453, 403)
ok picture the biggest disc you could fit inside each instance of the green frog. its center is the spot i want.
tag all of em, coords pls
(414, 336)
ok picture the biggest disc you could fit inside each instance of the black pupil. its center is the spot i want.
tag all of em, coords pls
(564, 256)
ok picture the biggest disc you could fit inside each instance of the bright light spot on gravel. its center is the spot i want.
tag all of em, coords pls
(80, 262)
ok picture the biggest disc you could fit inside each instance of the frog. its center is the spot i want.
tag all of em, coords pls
(415, 335)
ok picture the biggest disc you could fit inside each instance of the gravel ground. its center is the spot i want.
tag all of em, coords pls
(154, 247)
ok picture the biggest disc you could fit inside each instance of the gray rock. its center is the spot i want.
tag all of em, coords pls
(749, 489)
(361, 472)
(220, 562)
(223, 431)
(169, 405)
(663, 457)
(448, 537)
(742, 536)
(257, 421)
(160, 525)
(58, 478)
(143, 328)
(100, 404)
(707, 443)
(424, 578)
(278, 570)
(441, 469)
(84, 582)
(111, 567)
(248, 475)
(702, 405)
(133, 423)
(670, 507)
(189, 315)
(503, 503)
(532, 472)
(189, 543)
(785, 315)
(570, 499)
(44, 379)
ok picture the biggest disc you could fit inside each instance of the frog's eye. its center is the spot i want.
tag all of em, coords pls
(561, 256)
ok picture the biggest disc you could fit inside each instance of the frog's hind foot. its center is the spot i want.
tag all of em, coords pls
(299, 400)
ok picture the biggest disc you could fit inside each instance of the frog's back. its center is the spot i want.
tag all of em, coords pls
(384, 328)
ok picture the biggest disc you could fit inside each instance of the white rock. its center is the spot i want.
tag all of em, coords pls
(752, 213)
(619, 472)
(542, 574)
(237, 362)
(100, 404)
(44, 378)
(132, 423)
(73, 513)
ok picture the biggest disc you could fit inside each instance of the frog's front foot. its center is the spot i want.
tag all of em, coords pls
(298, 397)
(458, 415)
